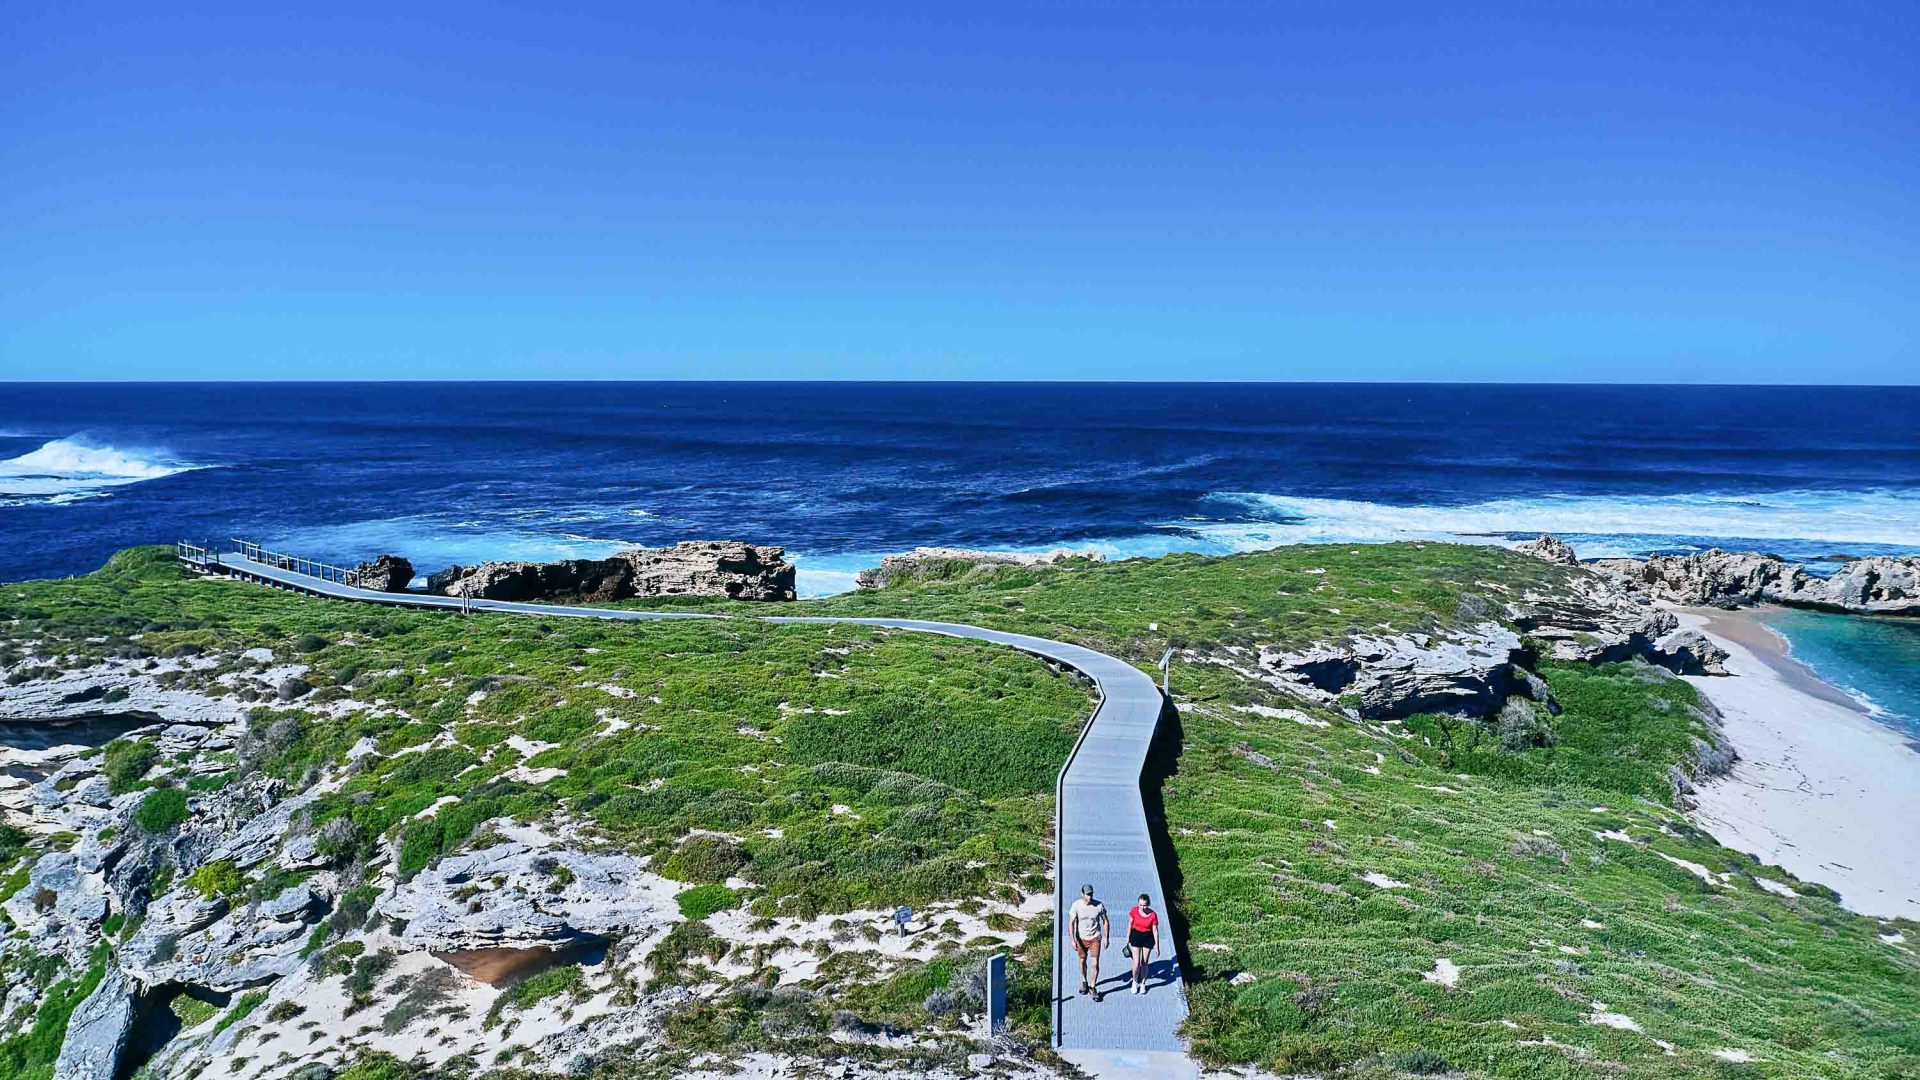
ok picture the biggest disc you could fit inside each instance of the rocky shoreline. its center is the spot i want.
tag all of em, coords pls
(720, 568)
(1881, 585)
(246, 901)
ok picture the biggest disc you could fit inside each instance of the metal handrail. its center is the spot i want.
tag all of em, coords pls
(299, 564)
(192, 554)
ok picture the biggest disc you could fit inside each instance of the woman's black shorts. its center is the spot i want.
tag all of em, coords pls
(1140, 939)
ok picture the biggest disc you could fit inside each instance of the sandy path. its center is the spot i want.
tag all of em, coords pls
(1820, 789)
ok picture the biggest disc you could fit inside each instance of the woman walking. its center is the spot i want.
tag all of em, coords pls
(1143, 939)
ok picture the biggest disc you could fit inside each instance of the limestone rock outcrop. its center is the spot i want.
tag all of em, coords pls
(128, 689)
(1473, 672)
(1881, 585)
(1690, 652)
(920, 561)
(525, 894)
(728, 568)
(97, 1031)
(1591, 619)
(1550, 548)
(388, 573)
(1479, 668)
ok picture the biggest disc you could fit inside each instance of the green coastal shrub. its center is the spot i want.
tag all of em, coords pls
(706, 860)
(218, 878)
(561, 979)
(703, 900)
(191, 1011)
(240, 1010)
(374, 1065)
(209, 782)
(162, 809)
(32, 1053)
(127, 762)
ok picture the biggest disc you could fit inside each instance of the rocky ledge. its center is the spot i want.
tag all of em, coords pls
(728, 568)
(1882, 585)
(388, 573)
(928, 561)
(529, 893)
(1478, 667)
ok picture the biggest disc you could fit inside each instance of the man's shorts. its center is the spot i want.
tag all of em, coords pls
(1091, 945)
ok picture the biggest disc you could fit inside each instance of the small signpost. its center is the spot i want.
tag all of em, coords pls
(903, 916)
(1165, 661)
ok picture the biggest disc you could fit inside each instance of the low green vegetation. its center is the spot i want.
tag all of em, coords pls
(703, 900)
(192, 1011)
(557, 981)
(832, 767)
(376, 1066)
(31, 1055)
(127, 762)
(1326, 867)
(162, 809)
(242, 1007)
(216, 879)
(1288, 597)
(1517, 897)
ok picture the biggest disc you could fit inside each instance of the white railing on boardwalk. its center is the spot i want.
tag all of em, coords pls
(299, 564)
(195, 555)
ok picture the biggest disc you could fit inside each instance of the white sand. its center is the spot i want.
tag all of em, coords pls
(1820, 789)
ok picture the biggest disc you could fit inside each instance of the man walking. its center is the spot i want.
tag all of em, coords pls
(1088, 926)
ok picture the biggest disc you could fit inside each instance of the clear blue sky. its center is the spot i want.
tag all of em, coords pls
(1529, 191)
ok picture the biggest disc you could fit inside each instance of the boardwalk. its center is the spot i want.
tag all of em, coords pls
(1100, 820)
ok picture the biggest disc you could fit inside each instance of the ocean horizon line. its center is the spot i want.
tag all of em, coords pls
(357, 381)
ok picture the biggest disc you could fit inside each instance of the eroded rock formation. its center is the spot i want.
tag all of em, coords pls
(529, 893)
(1479, 668)
(388, 573)
(1551, 548)
(729, 568)
(1474, 671)
(1881, 585)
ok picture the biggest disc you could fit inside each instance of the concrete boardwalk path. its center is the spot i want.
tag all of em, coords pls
(1100, 821)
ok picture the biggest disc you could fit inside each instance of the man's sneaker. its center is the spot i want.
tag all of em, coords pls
(1097, 995)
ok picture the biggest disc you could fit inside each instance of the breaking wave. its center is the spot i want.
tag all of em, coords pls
(69, 469)
(1886, 517)
(1800, 525)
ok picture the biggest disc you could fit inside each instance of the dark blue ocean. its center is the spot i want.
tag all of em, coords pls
(841, 473)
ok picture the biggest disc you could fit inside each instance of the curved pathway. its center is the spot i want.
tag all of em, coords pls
(1100, 821)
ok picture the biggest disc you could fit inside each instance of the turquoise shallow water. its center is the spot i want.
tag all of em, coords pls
(1875, 660)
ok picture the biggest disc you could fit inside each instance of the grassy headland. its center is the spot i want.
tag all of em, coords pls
(834, 768)
(1418, 897)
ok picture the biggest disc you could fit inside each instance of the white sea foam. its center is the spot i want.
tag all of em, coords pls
(65, 470)
(1598, 526)
(1884, 516)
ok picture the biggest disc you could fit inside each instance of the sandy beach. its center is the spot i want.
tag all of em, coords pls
(1821, 788)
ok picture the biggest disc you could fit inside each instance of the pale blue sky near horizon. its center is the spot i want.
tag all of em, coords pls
(1631, 192)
